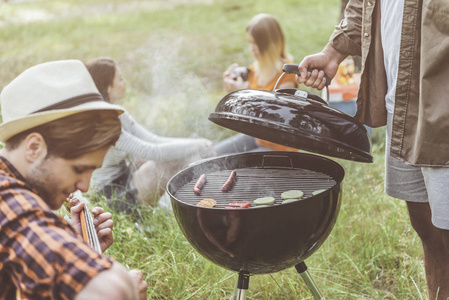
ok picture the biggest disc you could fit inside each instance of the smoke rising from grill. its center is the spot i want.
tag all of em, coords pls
(172, 100)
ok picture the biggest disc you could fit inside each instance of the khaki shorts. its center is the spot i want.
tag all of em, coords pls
(418, 184)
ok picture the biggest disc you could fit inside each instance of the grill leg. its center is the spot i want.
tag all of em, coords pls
(302, 270)
(242, 287)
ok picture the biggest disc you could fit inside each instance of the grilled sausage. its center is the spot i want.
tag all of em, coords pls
(229, 183)
(199, 184)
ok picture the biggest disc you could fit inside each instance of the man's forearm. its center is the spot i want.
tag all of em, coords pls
(113, 284)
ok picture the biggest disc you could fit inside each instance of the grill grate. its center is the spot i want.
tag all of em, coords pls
(252, 183)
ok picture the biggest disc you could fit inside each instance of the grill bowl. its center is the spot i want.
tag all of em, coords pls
(258, 240)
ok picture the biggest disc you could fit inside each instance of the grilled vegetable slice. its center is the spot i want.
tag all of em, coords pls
(264, 201)
(207, 203)
(292, 194)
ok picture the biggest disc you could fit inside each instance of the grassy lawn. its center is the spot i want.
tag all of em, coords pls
(173, 53)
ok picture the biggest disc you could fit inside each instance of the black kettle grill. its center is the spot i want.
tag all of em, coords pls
(260, 240)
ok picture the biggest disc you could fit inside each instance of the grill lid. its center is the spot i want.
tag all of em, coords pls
(294, 118)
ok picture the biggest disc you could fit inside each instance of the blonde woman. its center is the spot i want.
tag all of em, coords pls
(267, 43)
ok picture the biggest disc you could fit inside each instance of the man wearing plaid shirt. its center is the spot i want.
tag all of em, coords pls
(56, 130)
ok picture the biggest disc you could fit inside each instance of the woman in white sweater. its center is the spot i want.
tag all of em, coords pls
(120, 177)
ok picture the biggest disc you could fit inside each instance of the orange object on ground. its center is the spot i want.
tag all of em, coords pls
(348, 92)
(344, 89)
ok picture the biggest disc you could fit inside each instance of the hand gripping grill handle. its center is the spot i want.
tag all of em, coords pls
(293, 69)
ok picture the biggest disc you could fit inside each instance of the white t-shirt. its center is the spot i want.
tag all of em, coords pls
(391, 26)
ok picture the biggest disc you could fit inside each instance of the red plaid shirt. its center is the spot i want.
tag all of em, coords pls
(39, 252)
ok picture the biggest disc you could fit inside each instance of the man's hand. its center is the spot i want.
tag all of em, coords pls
(75, 214)
(141, 285)
(103, 225)
(116, 283)
(325, 62)
(102, 221)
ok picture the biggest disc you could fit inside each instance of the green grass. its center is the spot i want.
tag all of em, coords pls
(173, 53)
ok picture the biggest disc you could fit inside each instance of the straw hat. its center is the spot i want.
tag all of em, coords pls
(47, 92)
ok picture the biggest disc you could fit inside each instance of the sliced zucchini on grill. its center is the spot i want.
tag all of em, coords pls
(264, 201)
(292, 194)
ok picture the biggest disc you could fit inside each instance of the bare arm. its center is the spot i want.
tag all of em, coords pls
(116, 283)
(344, 41)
